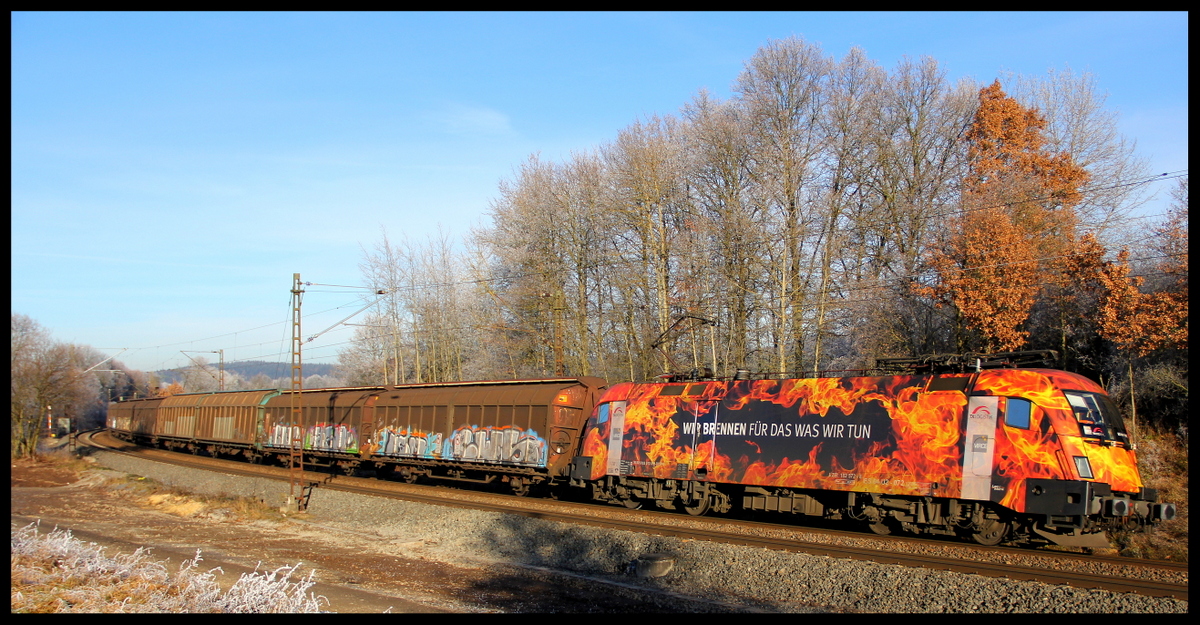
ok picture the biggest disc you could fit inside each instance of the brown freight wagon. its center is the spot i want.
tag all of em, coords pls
(133, 419)
(230, 421)
(220, 422)
(521, 431)
(332, 418)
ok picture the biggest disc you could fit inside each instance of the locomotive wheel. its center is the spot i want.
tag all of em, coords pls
(698, 508)
(992, 532)
(631, 503)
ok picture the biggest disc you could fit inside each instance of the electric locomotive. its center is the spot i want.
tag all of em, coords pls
(955, 445)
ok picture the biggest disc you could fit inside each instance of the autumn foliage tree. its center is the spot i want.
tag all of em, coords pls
(1142, 322)
(173, 388)
(1015, 226)
(1143, 318)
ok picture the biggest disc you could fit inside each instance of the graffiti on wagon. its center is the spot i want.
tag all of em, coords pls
(508, 444)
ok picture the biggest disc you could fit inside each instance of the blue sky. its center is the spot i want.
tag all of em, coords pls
(171, 171)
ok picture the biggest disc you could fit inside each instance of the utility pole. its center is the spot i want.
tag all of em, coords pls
(296, 448)
(297, 500)
(220, 366)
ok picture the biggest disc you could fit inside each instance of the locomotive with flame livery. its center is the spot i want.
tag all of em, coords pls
(956, 445)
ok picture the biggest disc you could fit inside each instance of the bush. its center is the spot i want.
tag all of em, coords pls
(56, 572)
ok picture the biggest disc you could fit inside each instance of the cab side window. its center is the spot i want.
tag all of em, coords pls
(1017, 413)
(602, 414)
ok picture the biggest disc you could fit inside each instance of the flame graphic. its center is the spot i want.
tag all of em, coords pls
(1115, 466)
(595, 444)
(915, 451)
(866, 434)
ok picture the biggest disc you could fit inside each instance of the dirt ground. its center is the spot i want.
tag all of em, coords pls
(355, 573)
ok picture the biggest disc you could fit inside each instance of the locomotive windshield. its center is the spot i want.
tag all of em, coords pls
(1098, 416)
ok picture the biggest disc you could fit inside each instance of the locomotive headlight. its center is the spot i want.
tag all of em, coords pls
(1163, 511)
(1083, 467)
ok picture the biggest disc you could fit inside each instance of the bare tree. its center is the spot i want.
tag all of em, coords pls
(527, 272)
(729, 239)
(373, 356)
(46, 383)
(200, 376)
(646, 168)
(915, 166)
(438, 304)
(385, 269)
(1079, 124)
(854, 93)
(783, 90)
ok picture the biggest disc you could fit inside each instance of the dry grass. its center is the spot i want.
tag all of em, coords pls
(1163, 460)
(181, 502)
(56, 572)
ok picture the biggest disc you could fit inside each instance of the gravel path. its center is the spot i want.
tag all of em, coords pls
(721, 577)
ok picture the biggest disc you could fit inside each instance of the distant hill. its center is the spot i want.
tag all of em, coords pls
(249, 368)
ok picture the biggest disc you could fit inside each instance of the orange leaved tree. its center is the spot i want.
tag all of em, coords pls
(173, 388)
(1141, 322)
(1016, 222)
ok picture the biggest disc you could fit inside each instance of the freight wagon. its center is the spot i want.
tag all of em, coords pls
(523, 432)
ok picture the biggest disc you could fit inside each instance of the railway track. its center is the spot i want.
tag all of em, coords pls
(1114, 574)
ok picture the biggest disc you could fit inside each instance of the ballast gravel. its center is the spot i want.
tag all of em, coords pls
(702, 575)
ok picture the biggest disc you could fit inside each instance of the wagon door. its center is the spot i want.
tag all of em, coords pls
(366, 433)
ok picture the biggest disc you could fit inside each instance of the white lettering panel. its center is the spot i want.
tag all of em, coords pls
(982, 415)
(616, 436)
